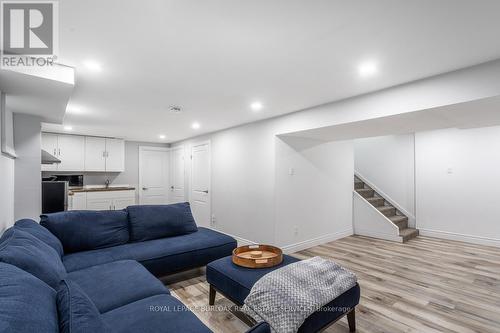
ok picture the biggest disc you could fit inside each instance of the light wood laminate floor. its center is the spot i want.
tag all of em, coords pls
(427, 285)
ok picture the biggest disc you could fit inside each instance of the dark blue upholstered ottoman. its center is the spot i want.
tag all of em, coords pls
(235, 283)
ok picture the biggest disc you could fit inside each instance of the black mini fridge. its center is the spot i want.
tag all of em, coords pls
(54, 196)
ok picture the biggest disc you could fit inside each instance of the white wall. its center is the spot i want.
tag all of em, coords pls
(244, 157)
(388, 163)
(242, 180)
(313, 191)
(458, 184)
(6, 192)
(28, 187)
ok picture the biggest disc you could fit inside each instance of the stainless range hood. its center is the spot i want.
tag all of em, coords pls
(49, 159)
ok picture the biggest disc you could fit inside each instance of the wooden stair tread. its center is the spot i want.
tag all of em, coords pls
(398, 218)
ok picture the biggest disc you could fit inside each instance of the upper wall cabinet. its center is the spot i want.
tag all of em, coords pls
(84, 153)
(70, 149)
(115, 155)
(95, 154)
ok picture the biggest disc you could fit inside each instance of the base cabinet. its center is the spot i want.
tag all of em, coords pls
(105, 200)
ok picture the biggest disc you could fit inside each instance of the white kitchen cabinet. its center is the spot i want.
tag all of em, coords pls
(99, 203)
(115, 155)
(71, 152)
(70, 149)
(84, 153)
(49, 144)
(122, 203)
(95, 154)
(110, 200)
(78, 201)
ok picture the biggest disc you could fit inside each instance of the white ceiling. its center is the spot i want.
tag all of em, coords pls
(214, 58)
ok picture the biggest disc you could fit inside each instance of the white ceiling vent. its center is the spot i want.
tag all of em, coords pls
(175, 108)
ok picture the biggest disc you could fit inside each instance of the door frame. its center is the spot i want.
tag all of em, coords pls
(209, 146)
(152, 148)
(182, 148)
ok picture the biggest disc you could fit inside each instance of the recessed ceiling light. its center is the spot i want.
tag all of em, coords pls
(68, 128)
(367, 68)
(162, 136)
(92, 65)
(195, 125)
(256, 106)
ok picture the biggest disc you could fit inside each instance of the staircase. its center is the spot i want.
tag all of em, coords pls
(384, 207)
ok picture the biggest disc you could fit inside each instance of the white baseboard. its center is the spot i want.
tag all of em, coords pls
(374, 234)
(460, 237)
(291, 248)
(296, 246)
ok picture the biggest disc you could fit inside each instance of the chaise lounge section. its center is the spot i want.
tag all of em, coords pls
(94, 271)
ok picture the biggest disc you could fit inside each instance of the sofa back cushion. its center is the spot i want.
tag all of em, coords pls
(27, 304)
(83, 230)
(159, 221)
(27, 252)
(41, 233)
(77, 313)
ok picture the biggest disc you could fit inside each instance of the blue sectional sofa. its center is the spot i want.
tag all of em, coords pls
(94, 271)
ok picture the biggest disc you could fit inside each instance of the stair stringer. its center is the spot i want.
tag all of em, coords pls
(410, 216)
(369, 221)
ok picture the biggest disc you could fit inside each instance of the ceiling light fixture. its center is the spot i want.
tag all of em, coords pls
(195, 125)
(367, 68)
(256, 106)
(92, 65)
(68, 128)
(162, 136)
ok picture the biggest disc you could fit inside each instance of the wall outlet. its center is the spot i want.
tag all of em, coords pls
(213, 221)
(296, 231)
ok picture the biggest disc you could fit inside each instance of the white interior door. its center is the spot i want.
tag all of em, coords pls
(177, 175)
(200, 183)
(153, 175)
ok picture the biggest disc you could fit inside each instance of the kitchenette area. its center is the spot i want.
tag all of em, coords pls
(84, 172)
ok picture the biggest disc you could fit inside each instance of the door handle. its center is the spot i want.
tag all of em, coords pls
(144, 188)
(171, 187)
(206, 191)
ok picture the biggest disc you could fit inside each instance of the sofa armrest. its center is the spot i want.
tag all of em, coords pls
(261, 327)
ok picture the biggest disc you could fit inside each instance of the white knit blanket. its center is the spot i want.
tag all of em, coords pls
(287, 296)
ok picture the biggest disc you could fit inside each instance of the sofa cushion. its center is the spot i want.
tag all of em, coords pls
(27, 252)
(117, 283)
(161, 313)
(27, 304)
(77, 313)
(88, 230)
(161, 256)
(41, 233)
(159, 221)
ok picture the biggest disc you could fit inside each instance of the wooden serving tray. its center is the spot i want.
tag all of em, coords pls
(257, 256)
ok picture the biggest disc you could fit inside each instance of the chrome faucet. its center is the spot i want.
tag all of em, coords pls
(107, 183)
